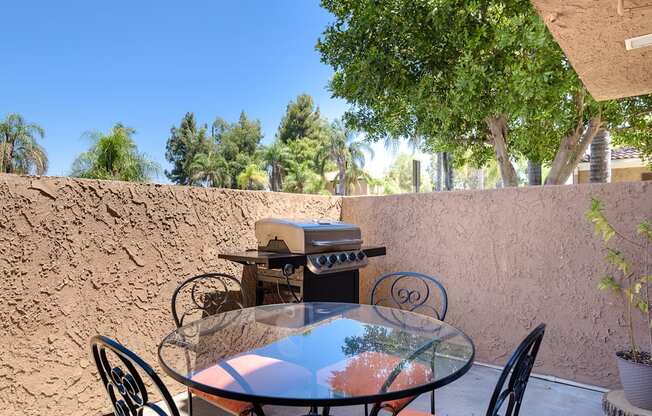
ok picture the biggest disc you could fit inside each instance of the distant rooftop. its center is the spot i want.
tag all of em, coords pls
(620, 153)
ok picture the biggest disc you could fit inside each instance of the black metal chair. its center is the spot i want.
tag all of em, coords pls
(511, 384)
(120, 370)
(210, 294)
(410, 291)
(518, 370)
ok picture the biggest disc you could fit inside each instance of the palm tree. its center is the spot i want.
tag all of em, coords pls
(276, 156)
(19, 151)
(300, 176)
(252, 178)
(209, 169)
(348, 153)
(600, 161)
(114, 156)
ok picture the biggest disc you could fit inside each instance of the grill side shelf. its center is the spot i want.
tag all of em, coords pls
(265, 258)
(374, 251)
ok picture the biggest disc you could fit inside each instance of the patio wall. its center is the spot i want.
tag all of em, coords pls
(510, 259)
(80, 257)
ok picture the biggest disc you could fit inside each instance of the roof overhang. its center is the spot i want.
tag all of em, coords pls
(592, 34)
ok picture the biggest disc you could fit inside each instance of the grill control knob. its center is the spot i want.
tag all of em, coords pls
(352, 256)
(322, 260)
(332, 259)
(360, 255)
(343, 257)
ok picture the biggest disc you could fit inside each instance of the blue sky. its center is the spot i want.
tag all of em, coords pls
(77, 66)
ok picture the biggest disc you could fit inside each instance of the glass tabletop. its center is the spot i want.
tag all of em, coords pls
(316, 354)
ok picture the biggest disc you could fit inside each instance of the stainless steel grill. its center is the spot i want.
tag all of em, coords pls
(311, 259)
(331, 246)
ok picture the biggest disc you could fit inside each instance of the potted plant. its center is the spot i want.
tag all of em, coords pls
(634, 364)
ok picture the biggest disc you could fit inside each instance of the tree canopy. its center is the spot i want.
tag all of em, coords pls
(216, 159)
(185, 142)
(114, 156)
(481, 79)
(19, 150)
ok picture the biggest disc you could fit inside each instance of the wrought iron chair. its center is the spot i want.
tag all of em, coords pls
(518, 370)
(210, 294)
(120, 370)
(510, 388)
(410, 291)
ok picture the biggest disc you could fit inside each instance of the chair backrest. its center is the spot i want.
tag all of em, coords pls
(121, 372)
(410, 291)
(209, 294)
(518, 370)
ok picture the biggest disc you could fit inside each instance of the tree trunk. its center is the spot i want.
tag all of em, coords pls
(571, 150)
(450, 173)
(276, 182)
(533, 173)
(439, 168)
(498, 128)
(600, 162)
(341, 182)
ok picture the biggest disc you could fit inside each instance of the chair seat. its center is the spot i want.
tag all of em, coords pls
(248, 372)
(367, 372)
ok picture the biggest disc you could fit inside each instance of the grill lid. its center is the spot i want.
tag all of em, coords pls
(306, 235)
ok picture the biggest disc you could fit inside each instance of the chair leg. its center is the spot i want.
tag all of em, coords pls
(366, 409)
(432, 402)
(189, 403)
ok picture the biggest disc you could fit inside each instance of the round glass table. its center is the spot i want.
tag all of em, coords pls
(316, 354)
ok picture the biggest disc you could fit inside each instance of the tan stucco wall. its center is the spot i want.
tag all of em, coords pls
(80, 257)
(631, 174)
(510, 259)
(83, 257)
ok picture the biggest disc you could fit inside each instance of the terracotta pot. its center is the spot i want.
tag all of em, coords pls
(636, 379)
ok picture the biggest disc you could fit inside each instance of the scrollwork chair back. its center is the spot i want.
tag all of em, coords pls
(410, 291)
(518, 368)
(120, 370)
(208, 294)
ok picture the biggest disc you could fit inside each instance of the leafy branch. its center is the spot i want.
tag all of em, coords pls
(634, 289)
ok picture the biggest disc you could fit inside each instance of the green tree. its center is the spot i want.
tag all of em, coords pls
(276, 157)
(484, 76)
(215, 159)
(252, 177)
(301, 178)
(19, 149)
(238, 144)
(183, 145)
(301, 120)
(300, 152)
(209, 169)
(348, 153)
(114, 156)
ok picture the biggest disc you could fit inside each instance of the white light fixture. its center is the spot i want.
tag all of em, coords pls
(638, 42)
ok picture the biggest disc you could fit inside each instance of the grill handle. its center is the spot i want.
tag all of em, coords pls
(330, 243)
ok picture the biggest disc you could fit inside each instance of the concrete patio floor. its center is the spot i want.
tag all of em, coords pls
(468, 396)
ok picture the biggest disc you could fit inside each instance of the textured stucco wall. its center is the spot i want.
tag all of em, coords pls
(510, 259)
(83, 257)
(80, 257)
